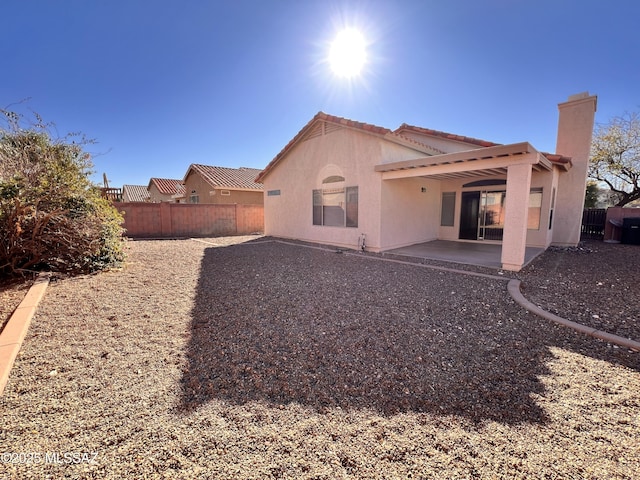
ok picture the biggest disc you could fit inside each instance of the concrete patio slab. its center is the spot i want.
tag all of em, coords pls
(478, 254)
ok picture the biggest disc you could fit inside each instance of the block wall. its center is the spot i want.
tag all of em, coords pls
(165, 220)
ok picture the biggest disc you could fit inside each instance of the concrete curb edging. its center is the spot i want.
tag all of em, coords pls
(514, 290)
(15, 330)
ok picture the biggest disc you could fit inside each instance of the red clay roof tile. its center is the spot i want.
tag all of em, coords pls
(558, 159)
(448, 136)
(242, 177)
(398, 134)
(168, 186)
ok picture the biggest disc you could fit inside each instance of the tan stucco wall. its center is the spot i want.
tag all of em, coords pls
(575, 129)
(393, 152)
(156, 197)
(548, 181)
(409, 215)
(195, 182)
(348, 153)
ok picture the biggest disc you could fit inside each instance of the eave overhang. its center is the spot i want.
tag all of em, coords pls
(486, 161)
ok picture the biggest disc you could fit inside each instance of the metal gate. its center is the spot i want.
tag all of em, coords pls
(593, 223)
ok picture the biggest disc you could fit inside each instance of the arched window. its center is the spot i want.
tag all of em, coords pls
(333, 179)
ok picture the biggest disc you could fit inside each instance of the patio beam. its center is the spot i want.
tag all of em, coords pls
(486, 153)
(440, 168)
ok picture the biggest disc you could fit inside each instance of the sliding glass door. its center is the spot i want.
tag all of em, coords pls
(482, 215)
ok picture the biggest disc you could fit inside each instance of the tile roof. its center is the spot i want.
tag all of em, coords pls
(135, 193)
(448, 136)
(416, 144)
(168, 186)
(242, 177)
(351, 123)
(395, 135)
(558, 159)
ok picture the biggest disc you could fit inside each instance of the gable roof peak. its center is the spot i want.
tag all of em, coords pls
(227, 177)
(166, 186)
(369, 127)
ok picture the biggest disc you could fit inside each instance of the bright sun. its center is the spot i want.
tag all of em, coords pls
(348, 53)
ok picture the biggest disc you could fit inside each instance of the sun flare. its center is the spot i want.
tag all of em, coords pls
(348, 53)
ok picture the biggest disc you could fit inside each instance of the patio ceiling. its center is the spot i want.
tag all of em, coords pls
(479, 162)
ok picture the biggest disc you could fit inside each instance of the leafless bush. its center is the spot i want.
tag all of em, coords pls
(51, 216)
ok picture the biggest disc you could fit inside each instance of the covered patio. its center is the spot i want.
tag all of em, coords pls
(515, 164)
(469, 253)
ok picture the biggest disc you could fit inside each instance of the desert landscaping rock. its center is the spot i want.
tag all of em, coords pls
(205, 359)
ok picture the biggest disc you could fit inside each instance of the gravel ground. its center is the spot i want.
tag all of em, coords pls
(267, 360)
(596, 284)
(11, 294)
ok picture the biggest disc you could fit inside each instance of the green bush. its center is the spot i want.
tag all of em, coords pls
(51, 216)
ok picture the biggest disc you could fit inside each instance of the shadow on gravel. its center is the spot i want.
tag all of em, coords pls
(281, 324)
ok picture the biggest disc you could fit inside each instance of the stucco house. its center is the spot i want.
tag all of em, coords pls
(165, 190)
(338, 179)
(210, 184)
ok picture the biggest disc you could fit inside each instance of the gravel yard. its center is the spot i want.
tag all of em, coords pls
(266, 360)
(596, 284)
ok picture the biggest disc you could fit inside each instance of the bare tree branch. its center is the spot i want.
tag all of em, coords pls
(615, 156)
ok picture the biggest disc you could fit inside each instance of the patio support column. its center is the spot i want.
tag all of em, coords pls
(514, 240)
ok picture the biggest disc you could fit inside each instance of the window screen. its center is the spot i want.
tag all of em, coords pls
(447, 214)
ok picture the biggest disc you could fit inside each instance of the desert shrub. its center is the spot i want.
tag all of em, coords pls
(51, 216)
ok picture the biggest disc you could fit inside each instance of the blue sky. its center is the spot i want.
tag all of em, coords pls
(161, 84)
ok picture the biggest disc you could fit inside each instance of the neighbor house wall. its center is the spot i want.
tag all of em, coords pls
(156, 196)
(194, 183)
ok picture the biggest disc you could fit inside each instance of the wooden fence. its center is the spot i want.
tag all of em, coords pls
(593, 223)
(166, 220)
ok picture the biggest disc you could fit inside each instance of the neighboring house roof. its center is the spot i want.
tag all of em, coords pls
(168, 186)
(313, 128)
(242, 178)
(135, 193)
